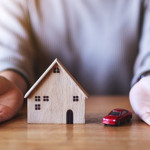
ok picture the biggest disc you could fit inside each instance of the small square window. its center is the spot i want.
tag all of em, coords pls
(37, 98)
(37, 106)
(56, 70)
(45, 98)
(75, 98)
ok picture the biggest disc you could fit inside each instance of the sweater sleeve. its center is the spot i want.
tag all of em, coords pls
(16, 47)
(142, 63)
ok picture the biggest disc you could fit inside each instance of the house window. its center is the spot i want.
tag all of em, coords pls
(75, 98)
(37, 106)
(45, 98)
(56, 70)
(37, 98)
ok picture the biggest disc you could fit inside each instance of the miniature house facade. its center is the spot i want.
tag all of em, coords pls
(56, 98)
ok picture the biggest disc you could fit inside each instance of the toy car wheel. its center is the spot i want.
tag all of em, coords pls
(129, 119)
(118, 123)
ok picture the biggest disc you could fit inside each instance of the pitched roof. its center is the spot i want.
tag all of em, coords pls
(56, 61)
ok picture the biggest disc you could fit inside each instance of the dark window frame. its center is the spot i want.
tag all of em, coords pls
(75, 98)
(45, 98)
(56, 70)
(37, 107)
(37, 98)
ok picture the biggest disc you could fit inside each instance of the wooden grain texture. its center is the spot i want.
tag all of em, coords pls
(60, 88)
(16, 134)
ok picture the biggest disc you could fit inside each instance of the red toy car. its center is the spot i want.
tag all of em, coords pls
(117, 117)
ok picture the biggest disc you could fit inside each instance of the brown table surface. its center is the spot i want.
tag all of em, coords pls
(16, 134)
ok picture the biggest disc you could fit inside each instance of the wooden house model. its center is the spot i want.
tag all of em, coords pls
(56, 97)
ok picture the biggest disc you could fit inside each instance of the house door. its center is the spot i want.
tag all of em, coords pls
(69, 117)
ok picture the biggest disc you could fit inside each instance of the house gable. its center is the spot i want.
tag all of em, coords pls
(55, 63)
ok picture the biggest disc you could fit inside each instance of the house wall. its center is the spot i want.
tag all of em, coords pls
(60, 89)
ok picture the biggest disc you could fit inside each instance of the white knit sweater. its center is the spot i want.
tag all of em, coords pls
(98, 41)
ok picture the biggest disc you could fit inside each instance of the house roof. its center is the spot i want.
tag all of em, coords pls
(56, 61)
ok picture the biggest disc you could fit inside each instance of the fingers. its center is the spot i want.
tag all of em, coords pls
(140, 99)
(11, 99)
(145, 117)
(5, 113)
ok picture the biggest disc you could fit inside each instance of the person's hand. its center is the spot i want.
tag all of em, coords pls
(140, 99)
(11, 99)
(12, 89)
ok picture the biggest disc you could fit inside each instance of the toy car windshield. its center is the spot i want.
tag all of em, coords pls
(114, 113)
